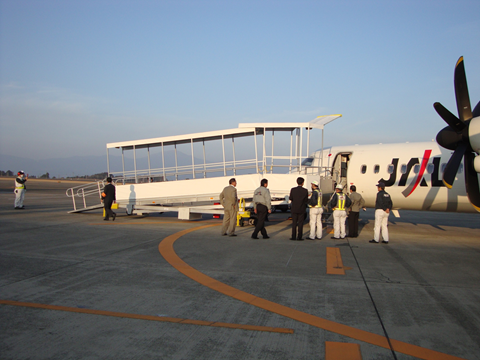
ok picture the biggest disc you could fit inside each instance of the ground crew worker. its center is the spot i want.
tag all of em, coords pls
(339, 203)
(316, 211)
(262, 207)
(357, 203)
(20, 189)
(229, 201)
(109, 197)
(383, 206)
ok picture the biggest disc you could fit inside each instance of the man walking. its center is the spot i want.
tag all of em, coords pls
(108, 197)
(262, 207)
(339, 202)
(299, 199)
(357, 203)
(316, 211)
(383, 206)
(20, 189)
(229, 201)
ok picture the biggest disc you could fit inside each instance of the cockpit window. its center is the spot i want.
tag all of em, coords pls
(307, 161)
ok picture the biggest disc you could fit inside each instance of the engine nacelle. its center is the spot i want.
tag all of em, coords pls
(476, 163)
(474, 136)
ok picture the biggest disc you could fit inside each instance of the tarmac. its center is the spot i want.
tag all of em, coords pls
(73, 286)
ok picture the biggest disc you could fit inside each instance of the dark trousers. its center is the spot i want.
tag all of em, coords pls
(297, 222)
(262, 212)
(353, 223)
(107, 204)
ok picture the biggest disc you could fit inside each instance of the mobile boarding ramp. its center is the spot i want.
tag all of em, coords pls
(86, 197)
(186, 173)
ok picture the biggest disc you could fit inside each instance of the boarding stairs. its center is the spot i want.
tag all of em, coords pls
(86, 197)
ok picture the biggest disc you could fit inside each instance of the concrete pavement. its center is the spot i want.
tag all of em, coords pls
(419, 294)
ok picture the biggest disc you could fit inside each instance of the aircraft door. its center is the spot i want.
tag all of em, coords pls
(340, 167)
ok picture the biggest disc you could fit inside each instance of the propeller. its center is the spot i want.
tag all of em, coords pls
(462, 135)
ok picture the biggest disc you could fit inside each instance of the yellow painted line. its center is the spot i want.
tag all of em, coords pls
(166, 249)
(148, 317)
(342, 351)
(334, 261)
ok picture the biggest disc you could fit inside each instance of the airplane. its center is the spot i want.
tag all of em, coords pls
(418, 176)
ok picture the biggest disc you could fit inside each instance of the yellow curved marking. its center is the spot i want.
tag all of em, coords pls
(166, 249)
(146, 317)
(447, 184)
(459, 61)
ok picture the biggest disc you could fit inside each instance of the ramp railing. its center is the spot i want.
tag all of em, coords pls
(88, 195)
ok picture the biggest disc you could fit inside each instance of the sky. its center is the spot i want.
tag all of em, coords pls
(76, 75)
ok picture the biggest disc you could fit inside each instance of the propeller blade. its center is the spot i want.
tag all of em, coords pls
(454, 122)
(471, 181)
(453, 164)
(461, 92)
(448, 138)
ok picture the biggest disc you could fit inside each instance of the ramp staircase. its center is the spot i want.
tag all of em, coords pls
(86, 197)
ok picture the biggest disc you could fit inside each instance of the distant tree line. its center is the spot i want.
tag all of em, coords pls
(99, 176)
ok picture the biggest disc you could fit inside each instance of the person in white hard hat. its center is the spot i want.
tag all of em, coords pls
(316, 211)
(339, 203)
(20, 190)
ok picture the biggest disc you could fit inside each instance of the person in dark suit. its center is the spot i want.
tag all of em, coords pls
(108, 197)
(299, 199)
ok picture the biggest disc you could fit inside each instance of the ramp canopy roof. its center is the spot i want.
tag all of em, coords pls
(244, 129)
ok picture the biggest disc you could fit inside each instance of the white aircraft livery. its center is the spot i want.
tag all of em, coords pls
(412, 173)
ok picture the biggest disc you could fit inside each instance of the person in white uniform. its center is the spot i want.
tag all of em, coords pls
(339, 203)
(316, 211)
(383, 206)
(20, 190)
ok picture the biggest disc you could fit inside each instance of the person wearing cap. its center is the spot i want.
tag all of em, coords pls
(20, 189)
(229, 201)
(357, 203)
(316, 211)
(299, 199)
(383, 206)
(108, 197)
(339, 203)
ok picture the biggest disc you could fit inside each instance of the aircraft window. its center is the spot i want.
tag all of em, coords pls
(416, 169)
(376, 169)
(390, 168)
(442, 168)
(363, 169)
(460, 169)
(307, 161)
(403, 169)
(430, 168)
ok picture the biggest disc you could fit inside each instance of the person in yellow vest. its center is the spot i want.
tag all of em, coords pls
(20, 189)
(316, 211)
(339, 203)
